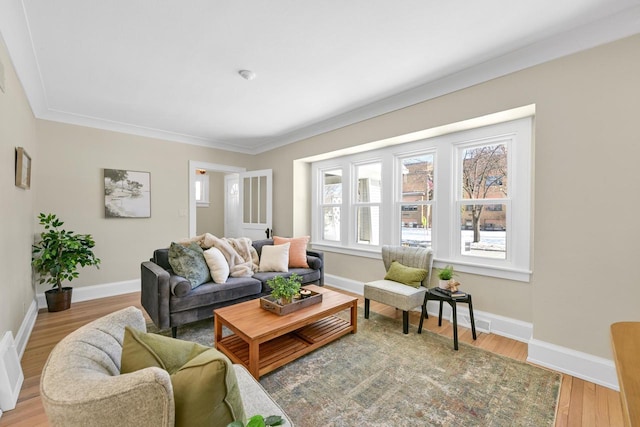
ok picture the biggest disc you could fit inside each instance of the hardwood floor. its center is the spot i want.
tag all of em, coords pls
(581, 403)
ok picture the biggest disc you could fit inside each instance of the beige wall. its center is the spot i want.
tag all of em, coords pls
(211, 219)
(17, 129)
(70, 185)
(586, 151)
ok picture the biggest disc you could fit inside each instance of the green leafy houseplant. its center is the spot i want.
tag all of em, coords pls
(284, 288)
(259, 421)
(56, 257)
(446, 273)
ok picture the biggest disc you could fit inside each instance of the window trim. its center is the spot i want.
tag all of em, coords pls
(445, 237)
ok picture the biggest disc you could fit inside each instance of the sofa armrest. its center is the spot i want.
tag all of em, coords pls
(99, 400)
(256, 399)
(320, 255)
(155, 293)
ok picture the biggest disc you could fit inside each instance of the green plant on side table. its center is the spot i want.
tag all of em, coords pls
(283, 289)
(259, 421)
(56, 258)
(445, 275)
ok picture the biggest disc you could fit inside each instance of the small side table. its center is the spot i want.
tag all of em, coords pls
(435, 295)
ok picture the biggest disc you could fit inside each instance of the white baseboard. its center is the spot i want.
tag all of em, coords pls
(23, 334)
(86, 293)
(562, 359)
(591, 368)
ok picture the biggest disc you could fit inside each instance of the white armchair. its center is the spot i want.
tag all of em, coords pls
(397, 294)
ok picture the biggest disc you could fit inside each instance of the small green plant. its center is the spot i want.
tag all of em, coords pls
(58, 254)
(446, 273)
(259, 421)
(284, 288)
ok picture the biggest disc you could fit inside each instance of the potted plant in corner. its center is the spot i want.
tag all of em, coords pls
(283, 289)
(56, 258)
(445, 275)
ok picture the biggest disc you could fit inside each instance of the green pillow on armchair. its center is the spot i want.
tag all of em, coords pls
(204, 383)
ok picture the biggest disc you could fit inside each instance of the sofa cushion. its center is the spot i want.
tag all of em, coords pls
(218, 265)
(204, 383)
(297, 250)
(214, 293)
(275, 258)
(188, 262)
(406, 275)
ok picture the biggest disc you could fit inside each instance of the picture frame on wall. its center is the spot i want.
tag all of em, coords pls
(23, 168)
(127, 194)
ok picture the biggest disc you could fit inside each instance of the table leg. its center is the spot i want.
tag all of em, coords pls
(440, 315)
(422, 316)
(254, 359)
(455, 324)
(217, 328)
(354, 317)
(473, 322)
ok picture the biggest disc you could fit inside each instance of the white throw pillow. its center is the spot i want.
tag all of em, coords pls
(275, 258)
(218, 265)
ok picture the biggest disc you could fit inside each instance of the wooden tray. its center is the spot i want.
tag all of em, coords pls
(269, 304)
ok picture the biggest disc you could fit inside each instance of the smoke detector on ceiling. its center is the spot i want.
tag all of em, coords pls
(247, 74)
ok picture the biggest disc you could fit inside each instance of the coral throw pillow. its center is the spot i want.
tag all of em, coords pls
(297, 250)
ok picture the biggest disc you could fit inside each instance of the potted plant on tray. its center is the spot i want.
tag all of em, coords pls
(56, 258)
(283, 289)
(445, 275)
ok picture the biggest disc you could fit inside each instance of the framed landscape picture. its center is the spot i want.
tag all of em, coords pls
(127, 194)
(23, 168)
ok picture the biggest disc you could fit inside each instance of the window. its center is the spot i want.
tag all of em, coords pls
(331, 204)
(415, 199)
(368, 202)
(202, 188)
(465, 194)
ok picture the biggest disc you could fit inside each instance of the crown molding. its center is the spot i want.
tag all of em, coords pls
(615, 27)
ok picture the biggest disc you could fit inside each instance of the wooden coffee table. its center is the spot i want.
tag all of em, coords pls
(263, 341)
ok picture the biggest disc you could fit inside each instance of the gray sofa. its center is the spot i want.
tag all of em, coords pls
(81, 384)
(170, 309)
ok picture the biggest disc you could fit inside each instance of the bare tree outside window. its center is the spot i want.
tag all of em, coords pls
(484, 176)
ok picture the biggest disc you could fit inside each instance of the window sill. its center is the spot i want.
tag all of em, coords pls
(202, 204)
(518, 275)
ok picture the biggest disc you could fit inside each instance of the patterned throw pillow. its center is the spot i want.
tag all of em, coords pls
(406, 275)
(188, 262)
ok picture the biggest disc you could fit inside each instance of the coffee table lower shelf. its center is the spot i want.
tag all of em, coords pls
(286, 348)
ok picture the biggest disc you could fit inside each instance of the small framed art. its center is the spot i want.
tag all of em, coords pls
(23, 168)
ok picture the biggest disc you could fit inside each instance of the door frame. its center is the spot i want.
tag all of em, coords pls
(213, 167)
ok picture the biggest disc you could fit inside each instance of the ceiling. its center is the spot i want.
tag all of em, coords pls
(169, 69)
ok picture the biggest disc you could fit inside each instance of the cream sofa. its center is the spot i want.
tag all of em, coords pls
(81, 383)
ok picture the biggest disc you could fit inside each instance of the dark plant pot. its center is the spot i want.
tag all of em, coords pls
(58, 300)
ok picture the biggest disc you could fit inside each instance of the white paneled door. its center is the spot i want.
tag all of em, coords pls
(255, 200)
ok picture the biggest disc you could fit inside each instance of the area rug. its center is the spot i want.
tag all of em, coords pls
(381, 377)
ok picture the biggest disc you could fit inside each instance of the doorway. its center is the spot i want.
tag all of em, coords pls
(210, 168)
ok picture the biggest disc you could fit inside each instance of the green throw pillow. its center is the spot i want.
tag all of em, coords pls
(406, 275)
(205, 387)
(189, 262)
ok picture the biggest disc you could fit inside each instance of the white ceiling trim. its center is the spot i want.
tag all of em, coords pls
(613, 28)
(16, 33)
